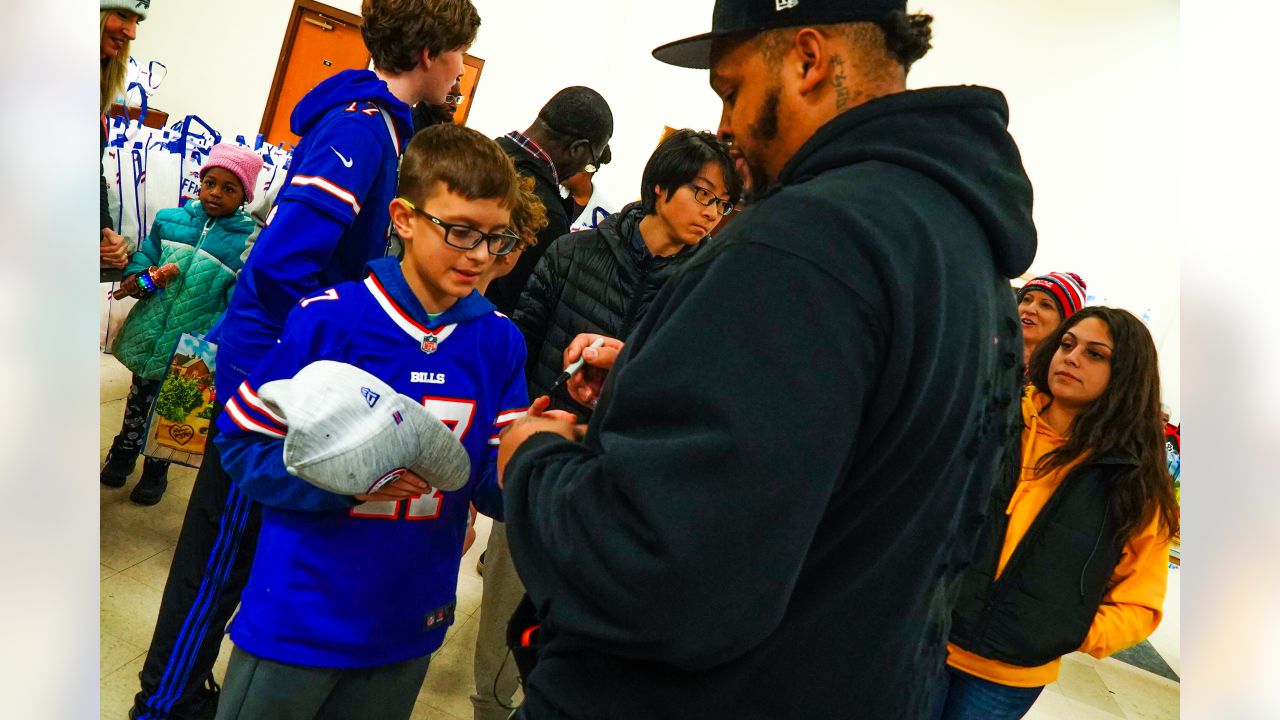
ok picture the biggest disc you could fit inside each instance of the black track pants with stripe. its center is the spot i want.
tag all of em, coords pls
(209, 571)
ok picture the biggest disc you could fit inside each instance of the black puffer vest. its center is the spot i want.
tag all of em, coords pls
(1044, 602)
(601, 281)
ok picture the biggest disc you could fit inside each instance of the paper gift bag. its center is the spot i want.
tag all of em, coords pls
(178, 427)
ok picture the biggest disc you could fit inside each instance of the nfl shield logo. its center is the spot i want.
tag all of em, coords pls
(429, 344)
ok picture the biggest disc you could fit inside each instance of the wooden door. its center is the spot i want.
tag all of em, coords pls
(471, 68)
(320, 42)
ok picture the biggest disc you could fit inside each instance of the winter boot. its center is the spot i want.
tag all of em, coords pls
(119, 465)
(154, 480)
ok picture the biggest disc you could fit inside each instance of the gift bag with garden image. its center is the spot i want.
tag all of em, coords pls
(178, 427)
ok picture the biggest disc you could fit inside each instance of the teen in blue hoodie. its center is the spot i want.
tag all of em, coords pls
(329, 221)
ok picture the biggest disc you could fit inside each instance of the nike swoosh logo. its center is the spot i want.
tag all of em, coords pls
(345, 161)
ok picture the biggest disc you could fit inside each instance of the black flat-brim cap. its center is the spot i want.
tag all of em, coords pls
(748, 17)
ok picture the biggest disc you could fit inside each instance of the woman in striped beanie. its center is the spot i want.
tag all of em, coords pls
(1043, 303)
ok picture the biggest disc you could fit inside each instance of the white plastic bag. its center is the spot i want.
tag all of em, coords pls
(148, 170)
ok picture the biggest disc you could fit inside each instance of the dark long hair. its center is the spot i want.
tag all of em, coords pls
(1123, 422)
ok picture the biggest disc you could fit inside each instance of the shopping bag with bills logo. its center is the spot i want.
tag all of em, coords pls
(178, 427)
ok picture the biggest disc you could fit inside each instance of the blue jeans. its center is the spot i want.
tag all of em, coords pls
(965, 697)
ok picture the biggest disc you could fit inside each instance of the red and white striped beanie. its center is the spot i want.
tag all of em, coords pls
(1067, 289)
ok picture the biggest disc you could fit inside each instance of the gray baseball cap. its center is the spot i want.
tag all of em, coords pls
(351, 433)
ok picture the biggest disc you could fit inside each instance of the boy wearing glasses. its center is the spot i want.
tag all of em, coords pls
(600, 281)
(348, 596)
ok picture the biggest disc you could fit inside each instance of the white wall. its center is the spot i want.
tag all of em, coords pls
(1092, 86)
(221, 57)
(1094, 105)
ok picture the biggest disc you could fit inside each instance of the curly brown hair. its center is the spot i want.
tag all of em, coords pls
(397, 31)
(529, 215)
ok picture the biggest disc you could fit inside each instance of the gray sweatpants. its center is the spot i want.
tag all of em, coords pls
(260, 689)
(495, 670)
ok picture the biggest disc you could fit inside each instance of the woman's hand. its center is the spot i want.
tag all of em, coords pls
(585, 386)
(112, 250)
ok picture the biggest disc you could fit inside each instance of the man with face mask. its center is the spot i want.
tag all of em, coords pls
(793, 453)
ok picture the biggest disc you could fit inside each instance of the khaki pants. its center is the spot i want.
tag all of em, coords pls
(495, 670)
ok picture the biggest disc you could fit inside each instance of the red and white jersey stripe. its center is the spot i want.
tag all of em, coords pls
(504, 419)
(412, 327)
(252, 415)
(328, 186)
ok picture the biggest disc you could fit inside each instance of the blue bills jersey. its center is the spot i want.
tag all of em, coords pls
(337, 583)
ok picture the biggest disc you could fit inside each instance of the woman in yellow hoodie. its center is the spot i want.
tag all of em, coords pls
(1074, 552)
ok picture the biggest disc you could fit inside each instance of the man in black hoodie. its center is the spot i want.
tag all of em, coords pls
(789, 459)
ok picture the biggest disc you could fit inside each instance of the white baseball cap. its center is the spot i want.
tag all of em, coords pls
(351, 433)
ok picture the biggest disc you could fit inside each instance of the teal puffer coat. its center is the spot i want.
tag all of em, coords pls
(209, 253)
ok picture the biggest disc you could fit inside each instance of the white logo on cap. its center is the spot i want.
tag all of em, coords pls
(389, 477)
(370, 396)
(781, 5)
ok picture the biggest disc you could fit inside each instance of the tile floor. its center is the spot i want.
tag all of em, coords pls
(137, 546)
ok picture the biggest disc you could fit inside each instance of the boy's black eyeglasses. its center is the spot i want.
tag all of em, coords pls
(465, 237)
(706, 197)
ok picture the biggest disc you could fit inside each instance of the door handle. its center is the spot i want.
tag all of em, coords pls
(319, 23)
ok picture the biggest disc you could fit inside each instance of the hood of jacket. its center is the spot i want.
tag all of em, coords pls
(345, 88)
(1044, 439)
(956, 136)
(621, 231)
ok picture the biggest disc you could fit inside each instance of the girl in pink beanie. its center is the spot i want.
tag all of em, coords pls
(231, 162)
(205, 241)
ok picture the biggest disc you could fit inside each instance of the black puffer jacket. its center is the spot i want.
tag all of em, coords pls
(600, 281)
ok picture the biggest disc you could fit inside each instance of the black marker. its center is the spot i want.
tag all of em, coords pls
(574, 366)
